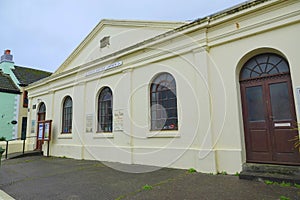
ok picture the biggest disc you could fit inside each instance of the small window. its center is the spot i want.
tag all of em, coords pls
(163, 103)
(104, 42)
(42, 112)
(105, 110)
(25, 99)
(67, 115)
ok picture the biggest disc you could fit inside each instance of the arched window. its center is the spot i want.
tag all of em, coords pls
(266, 64)
(105, 110)
(67, 115)
(163, 103)
(42, 112)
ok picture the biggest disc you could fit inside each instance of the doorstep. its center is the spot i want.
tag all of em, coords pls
(275, 173)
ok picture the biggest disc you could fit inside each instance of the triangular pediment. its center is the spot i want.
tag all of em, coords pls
(110, 36)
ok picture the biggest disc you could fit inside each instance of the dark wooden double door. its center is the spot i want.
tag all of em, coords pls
(270, 123)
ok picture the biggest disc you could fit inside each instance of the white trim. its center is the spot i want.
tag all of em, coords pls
(103, 135)
(164, 134)
(65, 136)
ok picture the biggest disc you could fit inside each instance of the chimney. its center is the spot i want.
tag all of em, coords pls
(6, 57)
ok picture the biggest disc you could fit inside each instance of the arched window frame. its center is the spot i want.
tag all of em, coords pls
(163, 103)
(262, 65)
(67, 115)
(41, 115)
(104, 114)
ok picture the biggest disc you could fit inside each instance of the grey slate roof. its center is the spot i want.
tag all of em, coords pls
(28, 75)
(7, 84)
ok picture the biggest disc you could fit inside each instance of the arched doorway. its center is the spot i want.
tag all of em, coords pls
(270, 124)
(41, 116)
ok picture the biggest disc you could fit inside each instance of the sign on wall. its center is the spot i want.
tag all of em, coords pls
(89, 123)
(32, 126)
(101, 69)
(118, 120)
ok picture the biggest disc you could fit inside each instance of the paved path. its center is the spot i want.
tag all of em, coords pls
(60, 178)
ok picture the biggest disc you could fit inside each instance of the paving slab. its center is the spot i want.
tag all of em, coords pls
(4, 196)
(41, 177)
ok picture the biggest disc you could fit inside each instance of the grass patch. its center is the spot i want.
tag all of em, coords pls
(191, 170)
(147, 187)
(268, 182)
(120, 197)
(222, 173)
(282, 184)
(284, 198)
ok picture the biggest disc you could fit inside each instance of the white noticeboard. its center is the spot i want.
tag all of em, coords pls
(89, 123)
(32, 126)
(41, 130)
(118, 120)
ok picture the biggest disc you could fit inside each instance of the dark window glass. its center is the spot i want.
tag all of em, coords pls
(25, 99)
(280, 101)
(255, 104)
(42, 112)
(105, 111)
(163, 103)
(264, 65)
(42, 108)
(67, 115)
(24, 127)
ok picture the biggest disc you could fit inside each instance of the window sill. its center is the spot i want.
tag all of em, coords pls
(65, 136)
(163, 134)
(103, 135)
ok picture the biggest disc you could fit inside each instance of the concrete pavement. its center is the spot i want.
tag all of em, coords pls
(61, 178)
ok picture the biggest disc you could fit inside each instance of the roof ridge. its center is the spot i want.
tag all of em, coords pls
(32, 69)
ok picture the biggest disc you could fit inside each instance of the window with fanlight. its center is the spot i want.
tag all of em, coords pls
(266, 64)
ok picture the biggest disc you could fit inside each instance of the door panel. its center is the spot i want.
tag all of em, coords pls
(270, 120)
(255, 104)
(255, 114)
(283, 120)
(259, 141)
(280, 101)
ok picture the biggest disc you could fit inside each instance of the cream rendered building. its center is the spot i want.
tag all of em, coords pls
(184, 95)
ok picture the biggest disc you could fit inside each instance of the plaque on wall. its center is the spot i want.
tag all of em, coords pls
(118, 120)
(32, 126)
(89, 123)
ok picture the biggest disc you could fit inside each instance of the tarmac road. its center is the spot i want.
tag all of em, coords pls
(40, 177)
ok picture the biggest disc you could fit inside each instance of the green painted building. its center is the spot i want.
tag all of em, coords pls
(9, 100)
(13, 97)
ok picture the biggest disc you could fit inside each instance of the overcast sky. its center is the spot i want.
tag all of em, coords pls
(43, 33)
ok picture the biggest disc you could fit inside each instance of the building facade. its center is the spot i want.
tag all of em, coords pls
(14, 99)
(211, 94)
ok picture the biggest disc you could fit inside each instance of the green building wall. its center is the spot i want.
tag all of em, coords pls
(8, 113)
